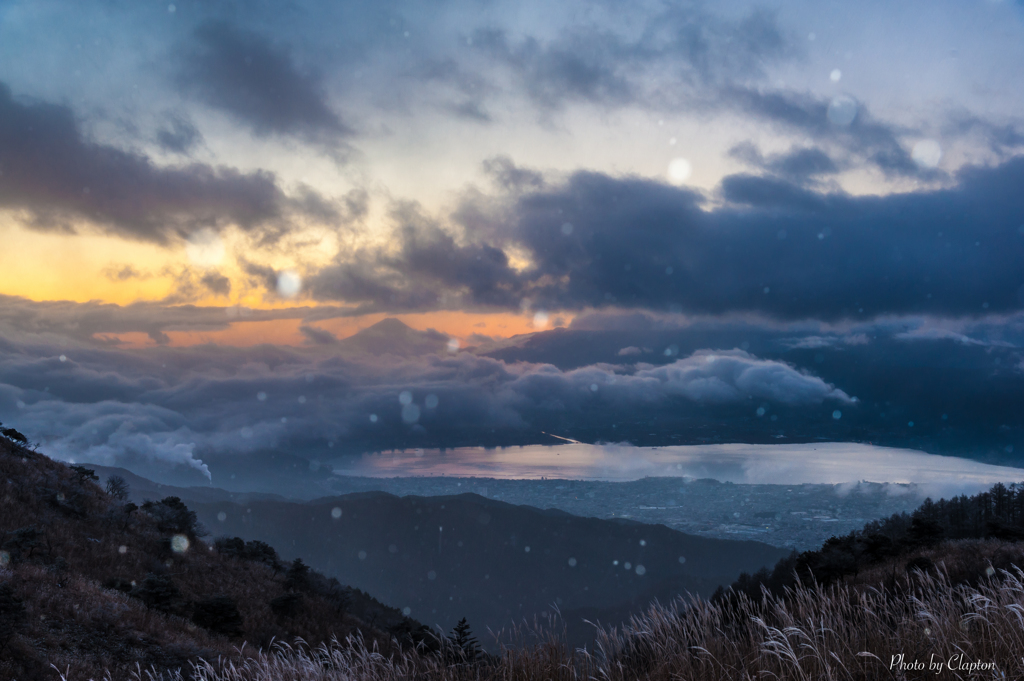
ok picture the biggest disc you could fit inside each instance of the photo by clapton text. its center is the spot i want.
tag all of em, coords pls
(955, 663)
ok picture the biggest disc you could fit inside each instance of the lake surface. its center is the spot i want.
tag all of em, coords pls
(831, 462)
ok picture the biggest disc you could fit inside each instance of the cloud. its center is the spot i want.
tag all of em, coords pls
(216, 283)
(222, 403)
(185, 404)
(318, 336)
(774, 247)
(112, 433)
(733, 376)
(677, 53)
(787, 252)
(51, 171)
(178, 136)
(258, 82)
(799, 164)
(79, 324)
(863, 138)
(423, 266)
(124, 273)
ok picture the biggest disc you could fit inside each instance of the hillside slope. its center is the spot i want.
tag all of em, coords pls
(90, 582)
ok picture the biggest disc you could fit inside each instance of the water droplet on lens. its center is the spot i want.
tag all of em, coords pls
(679, 171)
(289, 284)
(842, 110)
(410, 413)
(927, 153)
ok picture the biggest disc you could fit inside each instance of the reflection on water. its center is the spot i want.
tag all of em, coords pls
(832, 462)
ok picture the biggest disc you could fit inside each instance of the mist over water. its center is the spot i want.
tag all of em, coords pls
(816, 463)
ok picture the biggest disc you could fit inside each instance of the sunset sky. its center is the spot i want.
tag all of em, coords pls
(265, 179)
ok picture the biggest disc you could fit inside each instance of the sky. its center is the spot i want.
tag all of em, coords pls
(204, 202)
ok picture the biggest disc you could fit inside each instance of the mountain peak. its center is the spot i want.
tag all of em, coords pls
(394, 337)
(387, 327)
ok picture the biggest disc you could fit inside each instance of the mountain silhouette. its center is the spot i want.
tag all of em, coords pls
(449, 557)
(393, 337)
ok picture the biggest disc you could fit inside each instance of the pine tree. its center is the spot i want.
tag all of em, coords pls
(465, 643)
(297, 576)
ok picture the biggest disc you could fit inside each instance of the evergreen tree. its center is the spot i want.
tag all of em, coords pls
(466, 645)
(297, 576)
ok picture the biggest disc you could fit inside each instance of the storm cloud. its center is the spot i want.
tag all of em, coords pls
(59, 178)
(258, 83)
(775, 247)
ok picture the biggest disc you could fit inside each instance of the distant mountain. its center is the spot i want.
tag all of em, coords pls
(392, 337)
(142, 489)
(450, 557)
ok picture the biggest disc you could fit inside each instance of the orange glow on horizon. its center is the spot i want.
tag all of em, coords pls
(460, 325)
(52, 266)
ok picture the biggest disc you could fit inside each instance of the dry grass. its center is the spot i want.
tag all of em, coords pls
(844, 632)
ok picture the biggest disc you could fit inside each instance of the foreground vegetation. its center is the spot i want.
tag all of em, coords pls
(934, 618)
(91, 583)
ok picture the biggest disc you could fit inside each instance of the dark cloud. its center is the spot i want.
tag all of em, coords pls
(861, 137)
(258, 82)
(775, 247)
(788, 252)
(1002, 138)
(318, 336)
(178, 136)
(680, 52)
(423, 267)
(511, 178)
(216, 282)
(52, 171)
(799, 164)
(124, 273)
